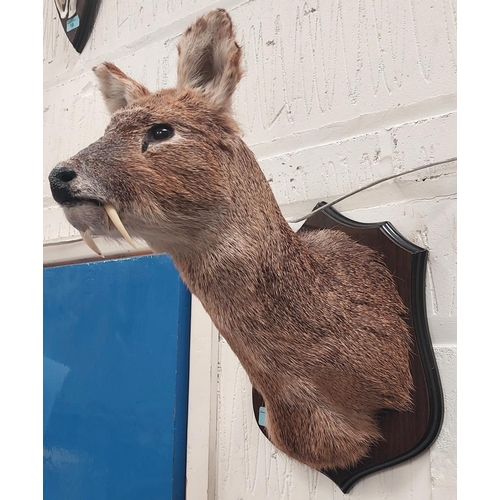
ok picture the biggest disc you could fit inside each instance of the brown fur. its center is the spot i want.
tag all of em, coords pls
(314, 318)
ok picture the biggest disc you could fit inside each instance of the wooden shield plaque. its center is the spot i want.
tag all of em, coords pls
(406, 434)
(77, 18)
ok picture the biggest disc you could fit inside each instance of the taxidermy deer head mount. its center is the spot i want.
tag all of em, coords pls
(314, 318)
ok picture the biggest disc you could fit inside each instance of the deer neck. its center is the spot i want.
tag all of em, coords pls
(254, 244)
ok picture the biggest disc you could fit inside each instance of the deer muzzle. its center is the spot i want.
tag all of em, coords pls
(60, 184)
(60, 179)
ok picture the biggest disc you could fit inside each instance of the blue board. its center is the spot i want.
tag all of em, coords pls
(116, 350)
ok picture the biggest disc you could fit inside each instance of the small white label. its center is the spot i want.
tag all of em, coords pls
(262, 416)
(73, 23)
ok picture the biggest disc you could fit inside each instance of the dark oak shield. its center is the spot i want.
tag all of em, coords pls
(77, 18)
(406, 434)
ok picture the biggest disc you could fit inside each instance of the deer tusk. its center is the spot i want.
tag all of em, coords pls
(115, 219)
(87, 238)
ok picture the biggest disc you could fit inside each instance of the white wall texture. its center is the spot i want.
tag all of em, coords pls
(336, 94)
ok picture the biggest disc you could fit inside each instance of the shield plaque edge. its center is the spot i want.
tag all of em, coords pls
(79, 26)
(429, 403)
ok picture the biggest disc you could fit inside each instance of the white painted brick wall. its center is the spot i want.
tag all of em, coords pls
(336, 93)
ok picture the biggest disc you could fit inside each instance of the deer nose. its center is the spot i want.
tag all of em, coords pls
(60, 179)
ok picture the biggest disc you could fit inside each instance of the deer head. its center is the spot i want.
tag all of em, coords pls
(315, 319)
(163, 149)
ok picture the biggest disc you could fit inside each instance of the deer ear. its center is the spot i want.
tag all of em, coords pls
(117, 88)
(209, 58)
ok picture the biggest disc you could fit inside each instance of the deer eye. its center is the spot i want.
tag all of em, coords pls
(160, 132)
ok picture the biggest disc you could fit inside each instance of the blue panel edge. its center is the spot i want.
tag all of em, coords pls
(178, 483)
(182, 387)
